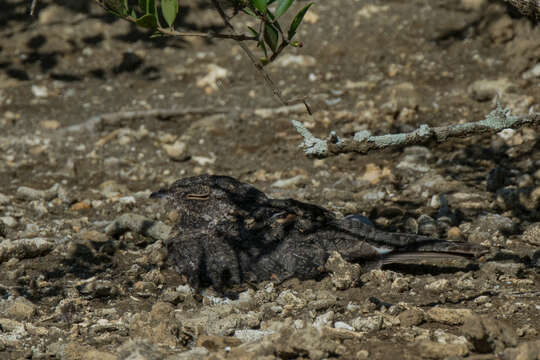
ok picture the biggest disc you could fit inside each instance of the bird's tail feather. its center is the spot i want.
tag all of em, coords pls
(418, 243)
(416, 257)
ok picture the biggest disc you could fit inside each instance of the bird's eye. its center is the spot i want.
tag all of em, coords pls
(203, 196)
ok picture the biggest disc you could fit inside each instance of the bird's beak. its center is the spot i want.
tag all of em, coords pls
(163, 193)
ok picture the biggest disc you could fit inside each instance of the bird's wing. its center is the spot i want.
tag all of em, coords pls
(386, 242)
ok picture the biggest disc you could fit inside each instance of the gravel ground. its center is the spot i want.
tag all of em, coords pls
(72, 286)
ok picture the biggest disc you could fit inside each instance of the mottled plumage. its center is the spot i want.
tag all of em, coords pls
(228, 232)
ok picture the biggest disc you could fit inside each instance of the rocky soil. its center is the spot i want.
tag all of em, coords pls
(73, 288)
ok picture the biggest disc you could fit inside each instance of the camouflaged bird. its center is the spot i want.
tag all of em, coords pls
(228, 232)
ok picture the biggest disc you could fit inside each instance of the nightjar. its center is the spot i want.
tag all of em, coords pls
(228, 232)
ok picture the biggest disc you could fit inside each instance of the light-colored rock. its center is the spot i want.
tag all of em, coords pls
(438, 285)
(176, 151)
(195, 353)
(495, 268)
(112, 189)
(369, 10)
(488, 334)
(159, 325)
(435, 350)
(525, 351)
(290, 183)
(139, 350)
(369, 323)
(325, 319)
(415, 158)
(204, 160)
(13, 328)
(401, 96)
(40, 91)
(80, 205)
(27, 193)
(401, 284)
(532, 72)
(532, 234)
(341, 334)
(53, 13)
(448, 316)
(50, 124)
(411, 317)
(288, 60)
(280, 111)
(211, 79)
(4, 199)
(24, 248)
(474, 5)
(9, 221)
(290, 300)
(343, 325)
(18, 308)
(127, 200)
(373, 174)
(250, 335)
(343, 274)
(76, 351)
(484, 90)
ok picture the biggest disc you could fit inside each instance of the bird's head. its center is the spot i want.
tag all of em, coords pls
(210, 196)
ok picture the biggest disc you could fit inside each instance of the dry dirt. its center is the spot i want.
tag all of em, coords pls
(71, 290)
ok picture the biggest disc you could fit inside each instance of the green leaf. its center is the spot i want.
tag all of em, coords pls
(148, 6)
(271, 36)
(253, 31)
(142, 5)
(273, 18)
(151, 7)
(249, 12)
(117, 7)
(169, 9)
(260, 5)
(147, 21)
(282, 7)
(297, 20)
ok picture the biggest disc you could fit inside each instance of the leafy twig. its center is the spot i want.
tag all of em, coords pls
(172, 32)
(258, 65)
(363, 142)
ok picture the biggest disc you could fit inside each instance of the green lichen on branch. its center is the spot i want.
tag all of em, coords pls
(363, 142)
(312, 145)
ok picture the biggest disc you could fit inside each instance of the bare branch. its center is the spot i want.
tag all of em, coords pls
(98, 121)
(363, 142)
(236, 37)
